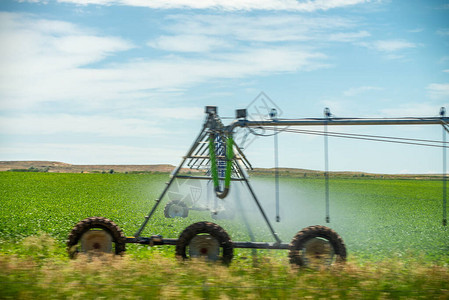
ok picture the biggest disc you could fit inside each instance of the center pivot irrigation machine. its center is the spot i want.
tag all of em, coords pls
(222, 162)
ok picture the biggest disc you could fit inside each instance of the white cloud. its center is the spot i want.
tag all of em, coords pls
(96, 153)
(229, 5)
(443, 32)
(41, 60)
(392, 45)
(444, 59)
(25, 38)
(394, 56)
(360, 90)
(52, 61)
(269, 29)
(438, 90)
(411, 110)
(348, 36)
(180, 71)
(182, 113)
(93, 46)
(188, 43)
(389, 47)
(146, 122)
(87, 125)
(34, 1)
(416, 30)
(392, 49)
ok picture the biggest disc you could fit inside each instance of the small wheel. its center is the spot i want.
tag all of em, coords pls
(176, 208)
(317, 246)
(204, 239)
(96, 235)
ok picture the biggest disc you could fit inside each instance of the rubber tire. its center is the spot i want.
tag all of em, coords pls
(210, 228)
(311, 232)
(96, 222)
(176, 202)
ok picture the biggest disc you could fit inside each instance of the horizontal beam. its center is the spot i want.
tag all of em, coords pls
(341, 121)
(217, 156)
(205, 177)
(155, 240)
(158, 240)
(260, 245)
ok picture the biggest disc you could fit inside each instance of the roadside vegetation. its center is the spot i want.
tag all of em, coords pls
(40, 270)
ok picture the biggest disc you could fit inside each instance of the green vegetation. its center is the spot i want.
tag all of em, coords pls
(53, 203)
(376, 218)
(392, 228)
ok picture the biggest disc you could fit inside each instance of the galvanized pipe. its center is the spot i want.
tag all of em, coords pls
(340, 121)
(261, 245)
(159, 241)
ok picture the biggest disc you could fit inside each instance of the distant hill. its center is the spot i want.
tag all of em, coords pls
(60, 167)
(293, 172)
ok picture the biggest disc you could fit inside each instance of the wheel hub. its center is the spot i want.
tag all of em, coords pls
(176, 211)
(204, 246)
(97, 241)
(318, 252)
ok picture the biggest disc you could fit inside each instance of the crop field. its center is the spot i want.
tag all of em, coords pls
(392, 230)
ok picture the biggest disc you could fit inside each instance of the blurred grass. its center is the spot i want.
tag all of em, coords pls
(40, 272)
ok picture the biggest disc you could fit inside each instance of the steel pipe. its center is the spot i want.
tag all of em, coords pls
(340, 121)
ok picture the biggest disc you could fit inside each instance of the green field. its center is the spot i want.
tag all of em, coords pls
(395, 223)
(376, 218)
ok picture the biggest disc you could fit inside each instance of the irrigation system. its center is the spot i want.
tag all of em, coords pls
(222, 161)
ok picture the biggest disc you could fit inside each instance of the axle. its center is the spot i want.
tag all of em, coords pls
(157, 240)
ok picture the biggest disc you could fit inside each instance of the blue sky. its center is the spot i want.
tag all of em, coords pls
(126, 81)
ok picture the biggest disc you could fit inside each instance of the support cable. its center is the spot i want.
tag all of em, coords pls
(252, 131)
(378, 136)
(446, 127)
(362, 137)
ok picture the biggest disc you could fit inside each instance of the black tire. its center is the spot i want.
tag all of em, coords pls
(118, 238)
(298, 247)
(214, 230)
(176, 208)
